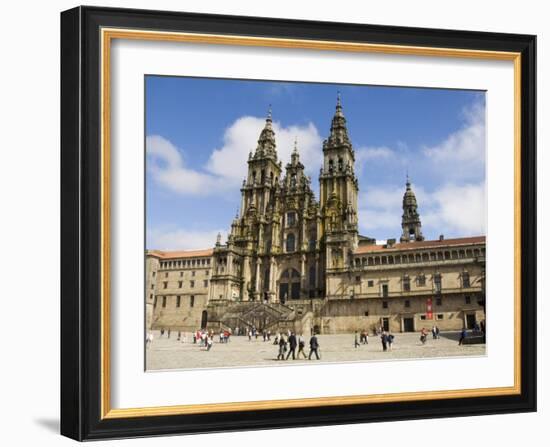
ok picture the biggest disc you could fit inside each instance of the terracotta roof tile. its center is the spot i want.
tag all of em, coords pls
(421, 244)
(181, 253)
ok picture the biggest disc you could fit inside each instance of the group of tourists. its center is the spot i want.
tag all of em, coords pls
(289, 344)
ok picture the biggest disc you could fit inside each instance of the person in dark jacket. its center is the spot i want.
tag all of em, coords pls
(292, 343)
(313, 347)
(384, 340)
(463, 335)
(282, 348)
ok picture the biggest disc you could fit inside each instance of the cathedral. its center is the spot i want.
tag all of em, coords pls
(294, 262)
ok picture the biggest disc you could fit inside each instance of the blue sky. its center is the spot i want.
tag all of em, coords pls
(199, 133)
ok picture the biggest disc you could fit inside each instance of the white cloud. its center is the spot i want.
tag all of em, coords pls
(227, 165)
(241, 137)
(183, 239)
(460, 209)
(166, 164)
(462, 153)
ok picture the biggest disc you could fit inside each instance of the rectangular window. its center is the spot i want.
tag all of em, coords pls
(163, 301)
(370, 283)
(465, 279)
(468, 299)
(384, 304)
(178, 301)
(192, 284)
(154, 273)
(152, 287)
(422, 317)
(367, 313)
(166, 275)
(155, 303)
(357, 279)
(180, 284)
(421, 281)
(181, 274)
(384, 290)
(193, 273)
(206, 273)
(439, 316)
(406, 284)
(165, 284)
(438, 301)
(192, 301)
(205, 283)
(407, 303)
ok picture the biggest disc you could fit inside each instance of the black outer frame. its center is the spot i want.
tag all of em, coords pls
(80, 223)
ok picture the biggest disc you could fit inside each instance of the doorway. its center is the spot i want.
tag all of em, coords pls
(470, 321)
(204, 319)
(408, 324)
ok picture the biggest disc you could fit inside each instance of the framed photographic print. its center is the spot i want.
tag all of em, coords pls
(275, 223)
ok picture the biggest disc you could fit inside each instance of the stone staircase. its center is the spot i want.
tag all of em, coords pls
(247, 315)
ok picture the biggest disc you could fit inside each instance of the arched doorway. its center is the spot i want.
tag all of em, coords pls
(289, 285)
(204, 319)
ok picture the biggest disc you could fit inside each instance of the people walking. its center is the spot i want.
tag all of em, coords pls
(292, 343)
(434, 333)
(356, 343)
(301, 346)
(314, 347)
(209, 341)
(424, 335)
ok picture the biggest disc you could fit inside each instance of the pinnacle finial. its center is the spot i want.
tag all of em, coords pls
(338, 99)
(408, 182)
(295, 145)
(269, 112)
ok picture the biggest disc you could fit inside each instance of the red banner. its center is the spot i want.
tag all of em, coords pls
(429, 309)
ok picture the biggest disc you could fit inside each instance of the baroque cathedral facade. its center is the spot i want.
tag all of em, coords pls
(294, 262)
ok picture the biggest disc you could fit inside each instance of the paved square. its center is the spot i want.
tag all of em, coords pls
(168, 353)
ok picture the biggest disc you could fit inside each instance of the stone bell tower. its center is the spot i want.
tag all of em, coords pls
(410, 221)
(338, 192)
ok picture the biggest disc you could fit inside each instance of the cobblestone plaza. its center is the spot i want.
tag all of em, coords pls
(169, 353)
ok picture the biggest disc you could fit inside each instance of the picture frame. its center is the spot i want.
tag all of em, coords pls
(86, 209)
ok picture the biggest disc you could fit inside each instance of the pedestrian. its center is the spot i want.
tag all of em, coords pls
(161, 332)
(250, 335)
(301, 346)
(276, 341)
(434, 333)
(149, 339)
(282, 348)
(384, 340)
(423, 335)
(366, 337)
(169, 330)
(463, 335)
(179, 335)
(221, 336)
(390, 341)
(356, 343)
(314, 346)
(292, 343)
(209, 341)
(437, 332)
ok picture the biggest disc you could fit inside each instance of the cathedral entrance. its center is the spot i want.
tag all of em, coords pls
(289, 285)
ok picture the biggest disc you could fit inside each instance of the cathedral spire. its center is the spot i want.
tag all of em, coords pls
(266, 143)
(295, 157)
(338, 129)
(410, 221)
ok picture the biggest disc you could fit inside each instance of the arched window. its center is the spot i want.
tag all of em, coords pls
(290, 243)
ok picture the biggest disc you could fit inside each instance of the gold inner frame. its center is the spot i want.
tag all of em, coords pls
(107, 35)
